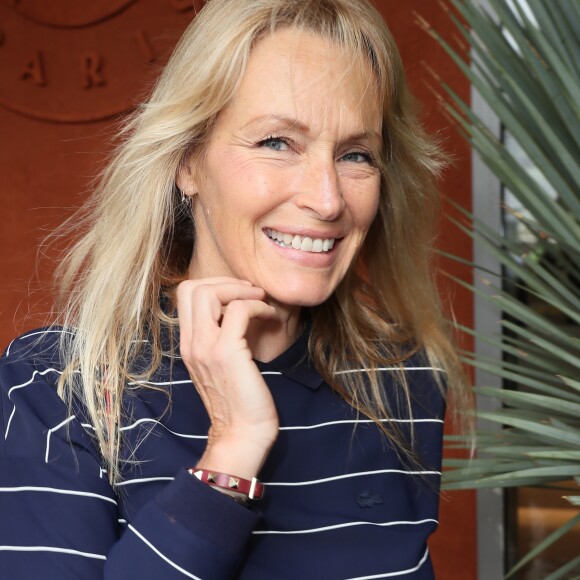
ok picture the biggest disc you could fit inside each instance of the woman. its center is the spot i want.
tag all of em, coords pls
(249, 307)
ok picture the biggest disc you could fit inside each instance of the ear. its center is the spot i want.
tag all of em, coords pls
(185, 178)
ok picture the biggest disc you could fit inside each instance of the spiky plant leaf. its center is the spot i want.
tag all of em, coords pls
(527, 69)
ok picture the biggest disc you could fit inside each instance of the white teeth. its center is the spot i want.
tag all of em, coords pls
(303, 243)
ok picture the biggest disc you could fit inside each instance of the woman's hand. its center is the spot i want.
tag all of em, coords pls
(214, 314)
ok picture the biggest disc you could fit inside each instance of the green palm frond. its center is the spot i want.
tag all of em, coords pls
(525, 63)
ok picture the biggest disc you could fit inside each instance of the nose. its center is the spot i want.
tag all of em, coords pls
(319, 189)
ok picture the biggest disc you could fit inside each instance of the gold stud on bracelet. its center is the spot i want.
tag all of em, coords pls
(251, 488)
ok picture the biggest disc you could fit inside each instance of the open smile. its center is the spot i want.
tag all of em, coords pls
(302, 243)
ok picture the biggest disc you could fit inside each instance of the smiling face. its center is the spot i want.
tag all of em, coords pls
(288, 186)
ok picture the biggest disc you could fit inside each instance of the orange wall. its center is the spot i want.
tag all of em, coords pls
(64, 77)
(454, 545)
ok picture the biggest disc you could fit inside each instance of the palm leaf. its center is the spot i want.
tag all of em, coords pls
(533, 401)
(544, 544)
(527, 69)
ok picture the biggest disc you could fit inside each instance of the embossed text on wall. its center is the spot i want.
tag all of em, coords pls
(67, 61)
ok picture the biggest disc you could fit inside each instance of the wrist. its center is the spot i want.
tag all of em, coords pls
(242, 457)
(226, 459)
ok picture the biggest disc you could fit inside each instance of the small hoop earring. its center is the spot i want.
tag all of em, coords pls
(184, 197)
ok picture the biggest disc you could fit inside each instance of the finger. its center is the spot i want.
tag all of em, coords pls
(200, 306)
(206, 301)
(189, 285)
(238, 314)
(220, 280)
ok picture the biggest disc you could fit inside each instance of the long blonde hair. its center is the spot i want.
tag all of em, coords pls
(136, 240)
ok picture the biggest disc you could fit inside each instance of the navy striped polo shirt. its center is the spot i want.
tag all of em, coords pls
(339, 503)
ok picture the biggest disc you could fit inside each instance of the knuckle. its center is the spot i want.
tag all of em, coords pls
(202, 291)
(237, 307)
(185, 287)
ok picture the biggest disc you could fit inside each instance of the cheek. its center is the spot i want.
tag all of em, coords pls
(365, 207)
(261, 181)
(246, 185)
(373, 210)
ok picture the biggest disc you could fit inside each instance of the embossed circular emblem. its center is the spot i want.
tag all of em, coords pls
(77, 61)
(68, 13)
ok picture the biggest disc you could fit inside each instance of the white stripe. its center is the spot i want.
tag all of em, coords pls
(34, 334)
(52, 549)
(46, 332)
(160, 384)
(143, 480)
(165, 354)
(162, 556)
(8, 349)
(390, 369)
(352, 421)
(31, 379)
(346, 525)
(57, 490)
(399, 573)
(147, 420)
(347, 475)
(28, 382)
(167, 383)
(9, 422)
(121, 521)
(51, 431)
(287, 428)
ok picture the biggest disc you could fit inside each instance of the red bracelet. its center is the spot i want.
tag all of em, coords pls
(251, 488)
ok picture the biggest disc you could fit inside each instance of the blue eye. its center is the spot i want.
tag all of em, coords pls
(275, 143)
(358, 157)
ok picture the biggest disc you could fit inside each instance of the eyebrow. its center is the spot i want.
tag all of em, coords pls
(297, 125)
(282, 120)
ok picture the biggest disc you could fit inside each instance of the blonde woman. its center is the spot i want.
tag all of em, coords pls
(246, 376)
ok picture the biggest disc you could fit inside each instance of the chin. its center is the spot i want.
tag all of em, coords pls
(301, 297)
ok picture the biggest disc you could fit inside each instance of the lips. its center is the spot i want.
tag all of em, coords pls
(302, 243)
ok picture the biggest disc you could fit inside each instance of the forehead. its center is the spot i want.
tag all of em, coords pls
(300, 75)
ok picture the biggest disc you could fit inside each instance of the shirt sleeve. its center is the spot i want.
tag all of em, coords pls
(59, 514)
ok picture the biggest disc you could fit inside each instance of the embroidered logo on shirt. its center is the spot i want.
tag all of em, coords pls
(367, 499)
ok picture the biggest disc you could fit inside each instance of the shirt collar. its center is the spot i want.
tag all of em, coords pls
(295, 363)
